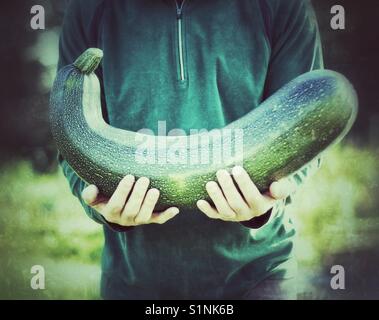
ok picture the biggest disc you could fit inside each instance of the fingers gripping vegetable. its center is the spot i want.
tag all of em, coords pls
(283, 134)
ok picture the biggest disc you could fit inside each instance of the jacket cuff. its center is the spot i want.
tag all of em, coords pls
(114, 226)
(257, 222)
(118, 228)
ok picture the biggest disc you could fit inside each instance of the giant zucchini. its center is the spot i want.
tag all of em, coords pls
(284, 133)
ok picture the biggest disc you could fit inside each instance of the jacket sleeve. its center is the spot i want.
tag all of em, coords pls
(295, 49)
(79, 32)
(295, 44)
(80, 29)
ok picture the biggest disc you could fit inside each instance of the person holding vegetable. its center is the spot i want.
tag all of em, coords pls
(195, 64)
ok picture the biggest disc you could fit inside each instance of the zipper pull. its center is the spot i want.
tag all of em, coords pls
(178, 13)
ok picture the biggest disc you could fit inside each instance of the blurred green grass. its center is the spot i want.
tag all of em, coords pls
(338, 207)
(42, 223)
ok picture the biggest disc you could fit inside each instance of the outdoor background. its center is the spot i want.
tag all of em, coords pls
(42, 224)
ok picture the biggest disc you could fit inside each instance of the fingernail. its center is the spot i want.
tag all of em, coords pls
(155, 192)
(210, 184)
(144, 180)
(221, 172)
(237, 170)
(89, 193)
(274, 184)
(175, 211)
(90, 189)
(129, 178)
(273, 190)
(200, 203)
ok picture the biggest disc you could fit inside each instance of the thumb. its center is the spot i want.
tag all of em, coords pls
(282, 188)
(89, 194)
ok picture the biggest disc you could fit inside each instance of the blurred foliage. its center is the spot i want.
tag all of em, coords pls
(28, 59)
(42, 223)
(44, 202)
(338, 206)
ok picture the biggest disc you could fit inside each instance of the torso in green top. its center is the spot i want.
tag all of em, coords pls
(196, 64)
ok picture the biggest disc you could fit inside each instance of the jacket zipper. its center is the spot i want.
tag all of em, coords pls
(179, 18)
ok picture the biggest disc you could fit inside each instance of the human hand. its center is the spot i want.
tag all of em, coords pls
(129, 211)
(244, 202)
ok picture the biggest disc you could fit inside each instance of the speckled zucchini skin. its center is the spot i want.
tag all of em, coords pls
(283, 134)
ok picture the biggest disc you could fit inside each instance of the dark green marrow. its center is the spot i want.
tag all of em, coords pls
(284, 133)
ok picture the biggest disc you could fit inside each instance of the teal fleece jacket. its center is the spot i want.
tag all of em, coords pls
(199, 67)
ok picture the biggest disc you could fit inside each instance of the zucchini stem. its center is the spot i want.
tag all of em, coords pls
(89, 60)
